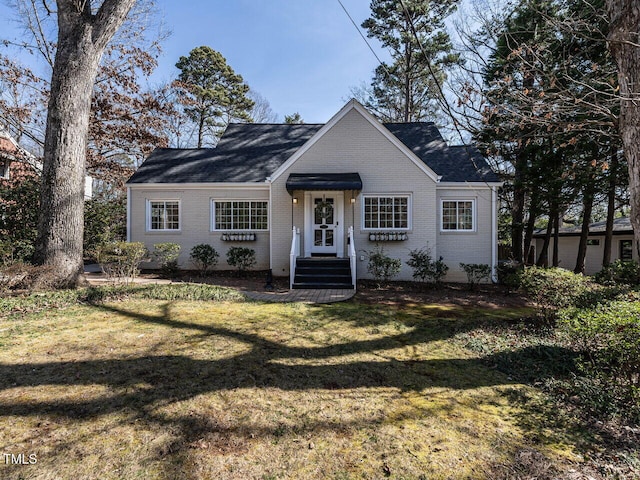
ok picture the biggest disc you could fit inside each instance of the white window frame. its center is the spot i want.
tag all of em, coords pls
(388, 195)
(158, 200)
(212, 225)
(474, 216)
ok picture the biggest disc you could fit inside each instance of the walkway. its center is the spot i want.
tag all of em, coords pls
(303, 295)
(95, 277)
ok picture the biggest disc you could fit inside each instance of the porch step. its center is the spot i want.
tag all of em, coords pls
(322, 273)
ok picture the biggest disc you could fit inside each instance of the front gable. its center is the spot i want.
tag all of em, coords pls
(353, 133)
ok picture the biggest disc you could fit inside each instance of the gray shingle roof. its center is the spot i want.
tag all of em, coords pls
(246, 153)
(455, 164)
(251, 152)
(621, 226)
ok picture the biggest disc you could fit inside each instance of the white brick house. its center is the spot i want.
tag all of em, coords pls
(321, 191)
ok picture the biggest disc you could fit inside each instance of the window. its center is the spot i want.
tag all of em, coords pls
(4, 169)
(458, 215)
(163, 215)
(240, 215)
(593, 241)
(386, 213)
(626, 250)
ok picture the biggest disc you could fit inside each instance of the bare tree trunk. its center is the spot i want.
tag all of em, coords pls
(556, 240)
(624, 44)
(543, 258)
(587, 208)
(517, 212)
(82, 38)
(611, 206)
(531, 223)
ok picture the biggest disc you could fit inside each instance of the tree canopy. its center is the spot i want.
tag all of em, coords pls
(212, 93)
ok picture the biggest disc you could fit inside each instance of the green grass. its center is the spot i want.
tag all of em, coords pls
(155, 383)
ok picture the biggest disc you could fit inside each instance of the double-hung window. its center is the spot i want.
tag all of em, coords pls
(163, 215)
(386, 212)
(458, 215)
(240, 215)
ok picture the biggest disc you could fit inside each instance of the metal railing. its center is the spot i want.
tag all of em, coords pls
(293, 254)
(352, 257)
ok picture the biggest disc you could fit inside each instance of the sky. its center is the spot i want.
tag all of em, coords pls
(301, 55)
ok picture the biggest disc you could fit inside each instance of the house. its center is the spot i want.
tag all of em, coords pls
(622, 248)
(17, 163)
(311, 197)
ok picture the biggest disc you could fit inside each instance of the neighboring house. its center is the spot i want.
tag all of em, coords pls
(622, 247)
(295, 191)
(17, 163)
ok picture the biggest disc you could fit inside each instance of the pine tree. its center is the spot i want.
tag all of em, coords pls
(413, 30)
(213, 95)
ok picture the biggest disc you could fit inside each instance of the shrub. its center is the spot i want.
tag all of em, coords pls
(166, 255)
(242, 258)
(476, 272)
(424, 267)
(382, 267)
(104, 221)
(509, 274)
(205, 257)
(619, 272)
(608, 338)
(121, 259)
(19, 207)
(554, 288)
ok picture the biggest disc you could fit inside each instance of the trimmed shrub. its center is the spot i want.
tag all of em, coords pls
(382, 267)
(619, 273)
(243, 258)
(204, 257)
(166, 255)
(424, 267)
(476, 272)
(121, 260)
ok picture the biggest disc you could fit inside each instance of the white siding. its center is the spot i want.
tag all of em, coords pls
(354, 145)
(195, 221)
(465, 247)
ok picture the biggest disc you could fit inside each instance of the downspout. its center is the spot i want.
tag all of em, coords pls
(494, 235)
(128, 214)
(270, 211)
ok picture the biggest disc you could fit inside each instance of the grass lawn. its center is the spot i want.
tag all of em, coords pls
(170, 389)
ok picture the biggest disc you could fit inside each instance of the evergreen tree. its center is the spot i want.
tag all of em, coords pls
(413, 30)
(213, 95)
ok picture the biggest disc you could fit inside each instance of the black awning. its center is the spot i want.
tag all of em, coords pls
(324, 181)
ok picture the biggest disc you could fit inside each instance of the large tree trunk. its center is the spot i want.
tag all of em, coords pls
(624, 44)
(82, 38)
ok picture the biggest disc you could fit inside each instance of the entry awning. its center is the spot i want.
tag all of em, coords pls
(324, 181)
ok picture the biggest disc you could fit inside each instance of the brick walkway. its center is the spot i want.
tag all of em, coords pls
(303, 295)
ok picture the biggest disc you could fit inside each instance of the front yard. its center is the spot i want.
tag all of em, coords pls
(174, 389)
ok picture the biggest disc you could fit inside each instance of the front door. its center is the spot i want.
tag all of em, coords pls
(323, 232)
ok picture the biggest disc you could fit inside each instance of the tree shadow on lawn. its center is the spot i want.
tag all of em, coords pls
(143, 383)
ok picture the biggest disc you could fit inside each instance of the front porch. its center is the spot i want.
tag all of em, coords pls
(323, 254)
